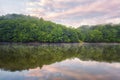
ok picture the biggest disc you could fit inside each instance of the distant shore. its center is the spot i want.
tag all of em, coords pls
(39, 43)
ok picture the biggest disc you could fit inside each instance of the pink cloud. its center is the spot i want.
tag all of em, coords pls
(63, 10)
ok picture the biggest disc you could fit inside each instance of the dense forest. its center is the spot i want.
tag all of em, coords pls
(22, 28)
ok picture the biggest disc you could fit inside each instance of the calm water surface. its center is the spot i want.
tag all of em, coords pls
(60, 61)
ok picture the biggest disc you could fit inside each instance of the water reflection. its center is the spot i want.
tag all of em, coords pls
(60, 62)
(70, 69)
(77, 70)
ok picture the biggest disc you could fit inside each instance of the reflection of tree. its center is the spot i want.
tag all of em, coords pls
(21, 57)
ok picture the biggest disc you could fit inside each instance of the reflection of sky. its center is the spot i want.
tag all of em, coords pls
(74, 69)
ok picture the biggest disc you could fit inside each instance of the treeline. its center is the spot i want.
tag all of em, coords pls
(100, 33)
(21, 28)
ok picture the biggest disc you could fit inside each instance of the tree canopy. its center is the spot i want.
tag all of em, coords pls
(22, 28)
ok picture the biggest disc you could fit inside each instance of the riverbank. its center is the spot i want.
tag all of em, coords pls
(39, 43)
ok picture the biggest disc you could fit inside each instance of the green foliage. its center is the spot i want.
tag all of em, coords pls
(100, 33)
(21, 28)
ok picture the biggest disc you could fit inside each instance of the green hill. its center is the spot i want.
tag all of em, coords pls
(22, 28)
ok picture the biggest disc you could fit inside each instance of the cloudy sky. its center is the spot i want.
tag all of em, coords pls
(67, 12)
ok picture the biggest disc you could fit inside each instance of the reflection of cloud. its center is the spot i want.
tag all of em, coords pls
(77, 69)
(78, 12)
(35, 73)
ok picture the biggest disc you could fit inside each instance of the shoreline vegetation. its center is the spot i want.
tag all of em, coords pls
(18, 28)
(38, 43)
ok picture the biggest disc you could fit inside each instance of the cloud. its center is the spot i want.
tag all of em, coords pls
(76, 12)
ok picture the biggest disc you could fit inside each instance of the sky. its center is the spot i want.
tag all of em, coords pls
(66, 12)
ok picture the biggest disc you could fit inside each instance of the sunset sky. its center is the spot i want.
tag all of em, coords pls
(67, 12)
